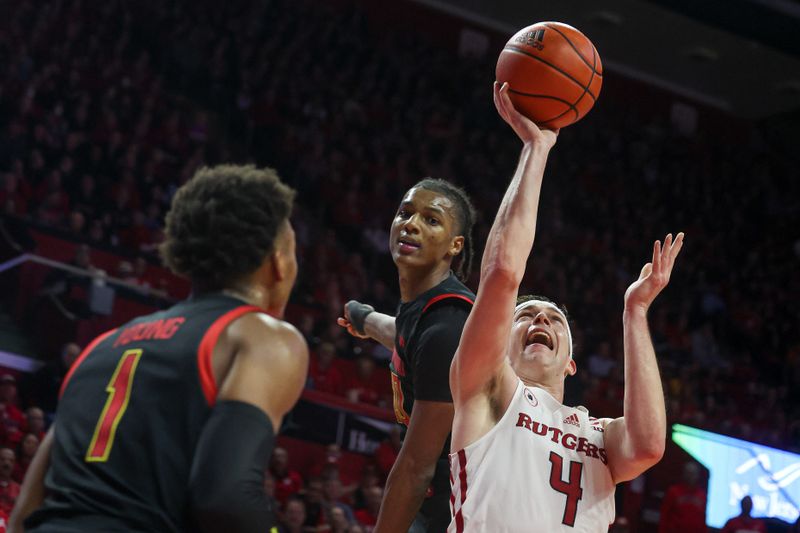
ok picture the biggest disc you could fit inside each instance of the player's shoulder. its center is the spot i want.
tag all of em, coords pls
(259, 327)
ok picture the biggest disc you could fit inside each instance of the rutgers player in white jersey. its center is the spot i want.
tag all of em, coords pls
(523, 461)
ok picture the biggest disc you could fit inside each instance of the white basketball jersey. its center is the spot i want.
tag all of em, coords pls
(542, 468)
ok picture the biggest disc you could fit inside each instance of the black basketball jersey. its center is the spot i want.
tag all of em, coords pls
(131, 412)
(428, 329)
(406, 363)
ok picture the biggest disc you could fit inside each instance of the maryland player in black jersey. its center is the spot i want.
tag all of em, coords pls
(167, 422)
(430, 235)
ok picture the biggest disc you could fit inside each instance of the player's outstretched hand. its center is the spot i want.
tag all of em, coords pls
(524, 127)
(655, 275)
(346, 321)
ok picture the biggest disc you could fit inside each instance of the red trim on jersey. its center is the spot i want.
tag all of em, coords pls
(81, 357)
(462, 476)
(452, 496)
(207, 381)
(443, 296)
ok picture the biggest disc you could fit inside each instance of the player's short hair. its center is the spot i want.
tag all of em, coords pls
(223, 222)
(465, 217)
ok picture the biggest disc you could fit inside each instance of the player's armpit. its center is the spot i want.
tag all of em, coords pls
(625, 460)
(269, 366)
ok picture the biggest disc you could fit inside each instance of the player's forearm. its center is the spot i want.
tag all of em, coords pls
(644, 410)
(511, 236)
(381, 328)
(403, 495)
(32, 492)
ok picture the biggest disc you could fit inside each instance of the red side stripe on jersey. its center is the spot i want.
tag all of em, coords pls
(81, 357)
(442, 297)
(452, 494)
(462, 476)
(207, 381)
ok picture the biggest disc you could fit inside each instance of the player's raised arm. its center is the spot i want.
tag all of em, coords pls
(481, 352)
(636, 441)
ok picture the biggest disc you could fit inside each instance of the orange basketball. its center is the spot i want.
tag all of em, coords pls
(553, 72)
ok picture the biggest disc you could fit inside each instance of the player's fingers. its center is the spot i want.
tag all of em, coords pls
(676, 249)
(646, 270)
(657, 256)
(342, 322)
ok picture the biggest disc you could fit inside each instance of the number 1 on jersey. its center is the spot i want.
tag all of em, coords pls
(571, 487)
(119, 392)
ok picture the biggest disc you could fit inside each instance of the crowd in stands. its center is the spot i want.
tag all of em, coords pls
(105, 109)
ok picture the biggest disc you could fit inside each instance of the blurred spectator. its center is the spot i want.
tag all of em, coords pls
(323, 374)
(12, 418)
(26, 450)
(294, 517)
(315, 505)
(601, 363)
(369, 478)
(9, 489)
(43, 386)
(287, 481)
(684, 507)
(361, 386)
(339, 522)
(369, 515)
(269, 489)
(744, 523)
(332, 497)
(35, 422)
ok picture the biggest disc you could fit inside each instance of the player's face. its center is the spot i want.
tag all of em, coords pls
(539, 343)
(423, 230)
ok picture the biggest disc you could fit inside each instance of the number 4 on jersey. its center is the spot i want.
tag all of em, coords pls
(571, 487)
(119, 392)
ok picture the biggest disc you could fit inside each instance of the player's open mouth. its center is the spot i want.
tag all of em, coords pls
(539, 336)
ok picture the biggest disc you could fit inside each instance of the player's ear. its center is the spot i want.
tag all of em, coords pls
(282, 257)
(571, 367)
(456, 245)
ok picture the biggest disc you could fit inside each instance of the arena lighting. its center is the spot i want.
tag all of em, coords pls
(738, 468)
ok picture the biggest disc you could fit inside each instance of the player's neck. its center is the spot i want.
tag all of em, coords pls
(250, 293)
(413, 283)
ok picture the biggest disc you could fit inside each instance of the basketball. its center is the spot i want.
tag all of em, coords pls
(553, 72)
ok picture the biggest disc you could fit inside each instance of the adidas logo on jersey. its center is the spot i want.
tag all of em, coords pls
(573, 419)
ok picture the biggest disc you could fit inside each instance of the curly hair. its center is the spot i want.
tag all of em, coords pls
(465, 217)
(223, 223)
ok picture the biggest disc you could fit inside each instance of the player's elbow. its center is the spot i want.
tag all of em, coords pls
(650, 451)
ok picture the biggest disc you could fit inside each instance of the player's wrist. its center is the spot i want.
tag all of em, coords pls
(635, 311)
(358, 313)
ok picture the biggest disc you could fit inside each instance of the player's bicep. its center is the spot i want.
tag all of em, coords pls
(269, 366)
(622, 461)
